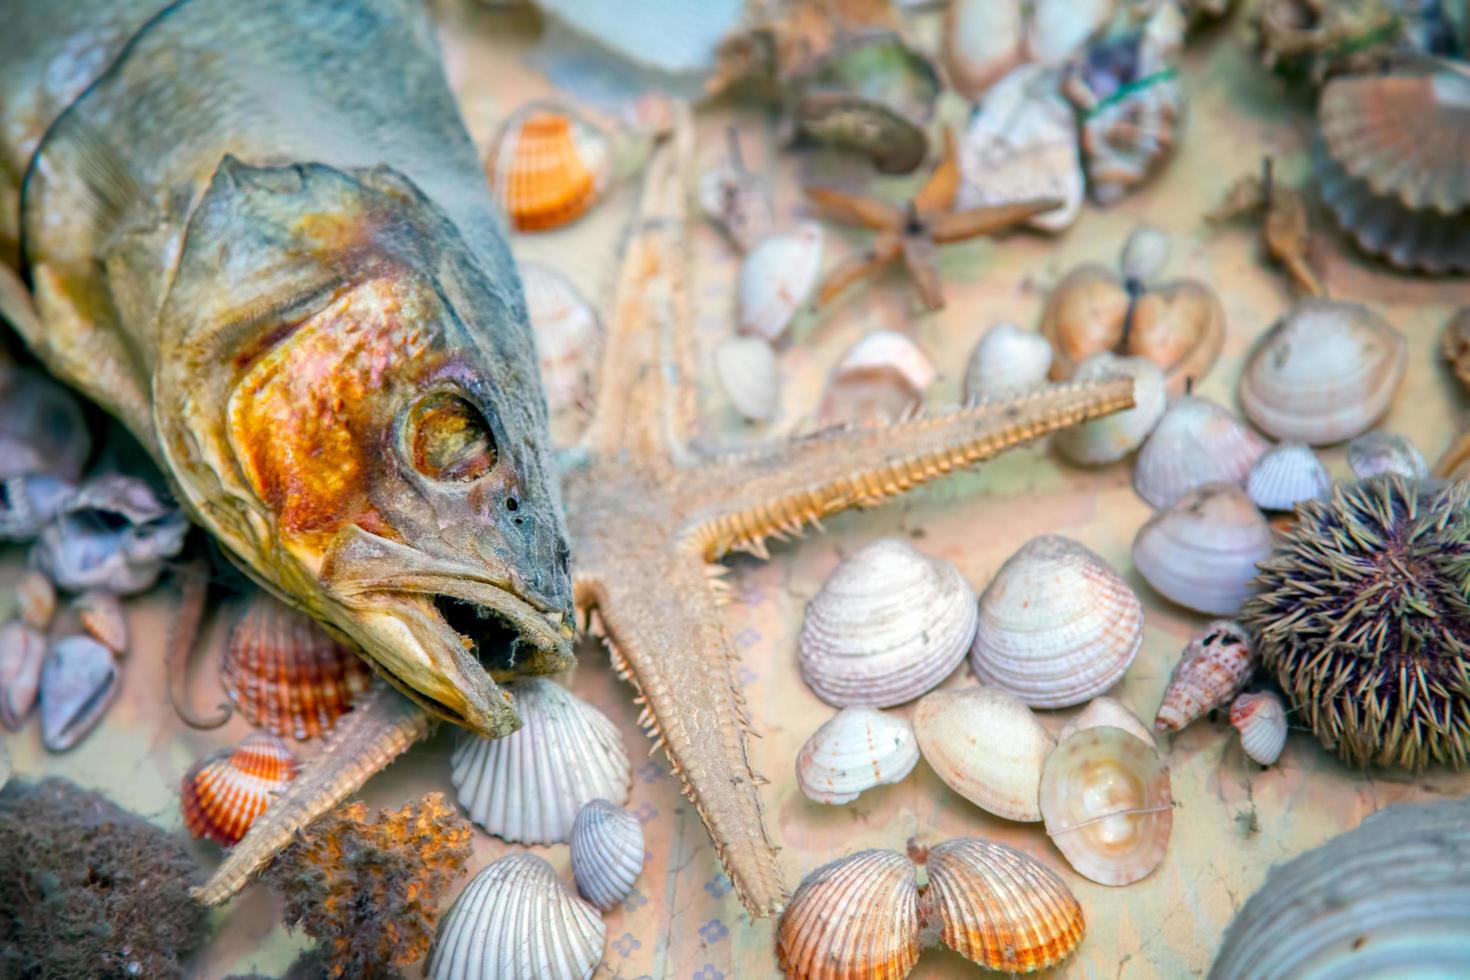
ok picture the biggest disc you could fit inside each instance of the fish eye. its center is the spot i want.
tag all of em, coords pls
(449, 439)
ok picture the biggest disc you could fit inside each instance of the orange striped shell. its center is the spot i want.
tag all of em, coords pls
(222, 795)
(285, 673)
(547, 167)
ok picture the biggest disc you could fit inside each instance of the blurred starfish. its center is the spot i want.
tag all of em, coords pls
(914, 231)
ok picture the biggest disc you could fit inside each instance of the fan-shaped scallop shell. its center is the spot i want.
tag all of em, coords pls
(1000, 908)
(746, 369)
(515, 921)
(1202, 552)
(548, 166)
(35, 599)
(856, 918)
(1006, 360)
(1285, 475)
(1195, 443)
(285, 673)
(1374, 453)
(222, 795)
(568, 335)
(853, 751)
(1260, 718)
(888, 625)
(1213, 669)
(101, 615)
(1110, 438)
(1109, 712)
(1326, 372)
(528, 786)
(986, 746)
(607, 853)
(22, 652)
(1057, 625)
(777, 279)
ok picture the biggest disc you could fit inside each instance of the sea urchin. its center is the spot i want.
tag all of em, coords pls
(1363, 614)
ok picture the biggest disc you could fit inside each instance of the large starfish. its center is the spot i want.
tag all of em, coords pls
(650, 515)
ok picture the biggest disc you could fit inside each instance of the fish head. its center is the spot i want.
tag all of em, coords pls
(371, 440)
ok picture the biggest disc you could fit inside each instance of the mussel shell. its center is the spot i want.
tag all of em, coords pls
(79, 682)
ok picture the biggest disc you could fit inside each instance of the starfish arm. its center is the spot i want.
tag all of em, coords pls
(865, 212)
(670, 643)
(961, 225)
(938, 193)
(885, 249)
(921, 257)
(375, 732)
(774, 491)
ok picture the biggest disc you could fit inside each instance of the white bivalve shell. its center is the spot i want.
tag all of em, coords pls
(987, 746)
(1057, 625)
(1286, 475)
(1108, 712)
(515, 921)
(1196, 442)
(1326, 372)
(855, 750)
(1215, 667)
(777, 278)
(1202, 552)
(1145, 254)
(1378, 452)
(1110, 438)
(1260, 719)
(1005, 361)
(568, 335)
(528, 786)
(883, 375)
(888, 625)
(607, 853)
(746, 368)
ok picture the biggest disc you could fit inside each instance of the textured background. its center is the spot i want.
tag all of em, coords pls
(1232, 820)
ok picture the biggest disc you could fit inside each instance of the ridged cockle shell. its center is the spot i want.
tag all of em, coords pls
(222, 795)
(1285, 475)
(855, 750)
(1195, 443)
(607, 853)
(1215, 667)
(548, 166)
(856, 918)
(102, 616)
(746, 369)
(35, 599)
(1260, 718)
(986, 746)
(568, 335)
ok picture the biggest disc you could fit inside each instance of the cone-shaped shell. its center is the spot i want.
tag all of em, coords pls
(1000, 908)
(1213, 669)
(1260, 718)
(1110, 438)
(101, 615)
(528, 786)
(1109, 712)
(777, 278)
(986, 746)
(888, 625)
(1006, 360)
(222, 795)
(1375, 453)
(35, 599)
(1057, 625)
(856, 918)
(1202, 552)
(285, 673)
(1195, 443)
(22, 652)
(1107, 806)
(607, 853)
(746, 369)
(1286, 475)
(79, 681)
(568, 335)
(855, 750)
(1326, 372)
(548, 166)
(515, 921)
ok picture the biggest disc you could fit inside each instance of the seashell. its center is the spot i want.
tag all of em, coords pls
(102, 618)
(1000, 908)
(568, 335)
(1195, 443)
(1260, 719)
(287, 675)
(28, 503)
(515, 921)
(1202, 551)
(22, 651)
(528, 786)
(1285, 475)
(1385, 900)
(987, 746)
(547, 166)
(79, 680)
(853, 751)
(113, 534)
(1145, 254)
(7, 767)
(1107, 712)
(1005, 361)
(737, 200)
(35, 599)
(888, 625)
(777, 279)
(1106, 802)
(1110, 438)
(1379, 452)
(1454, 346)
(852, 919)
(1324, 373)
(1057, 625)
(884, 374)
(221, 795)
(607, 853)
(746, 368)
(1059, 29)
(982, 42)
(1215, 667)
(42, 428)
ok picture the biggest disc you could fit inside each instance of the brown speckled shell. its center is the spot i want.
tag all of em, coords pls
(222, 795)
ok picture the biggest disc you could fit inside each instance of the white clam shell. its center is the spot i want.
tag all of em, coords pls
(1112, 437)
(1145, 253)
(746, 369)
(852, 752)
(515, 921)
(777, 277)
(888, 625)
(1059, 28)
(987, 746)
(982, 41)
(1057, 625)
(1107, 712)
(884, 374)
(1005, 361)
(1260, 719)
(1196, 442)
(1286, 475)
(1202, 552)
(568, 335)
(528, 786)
(1214, 667)
(607, 853)
(1378, 452)
(1326, 372)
